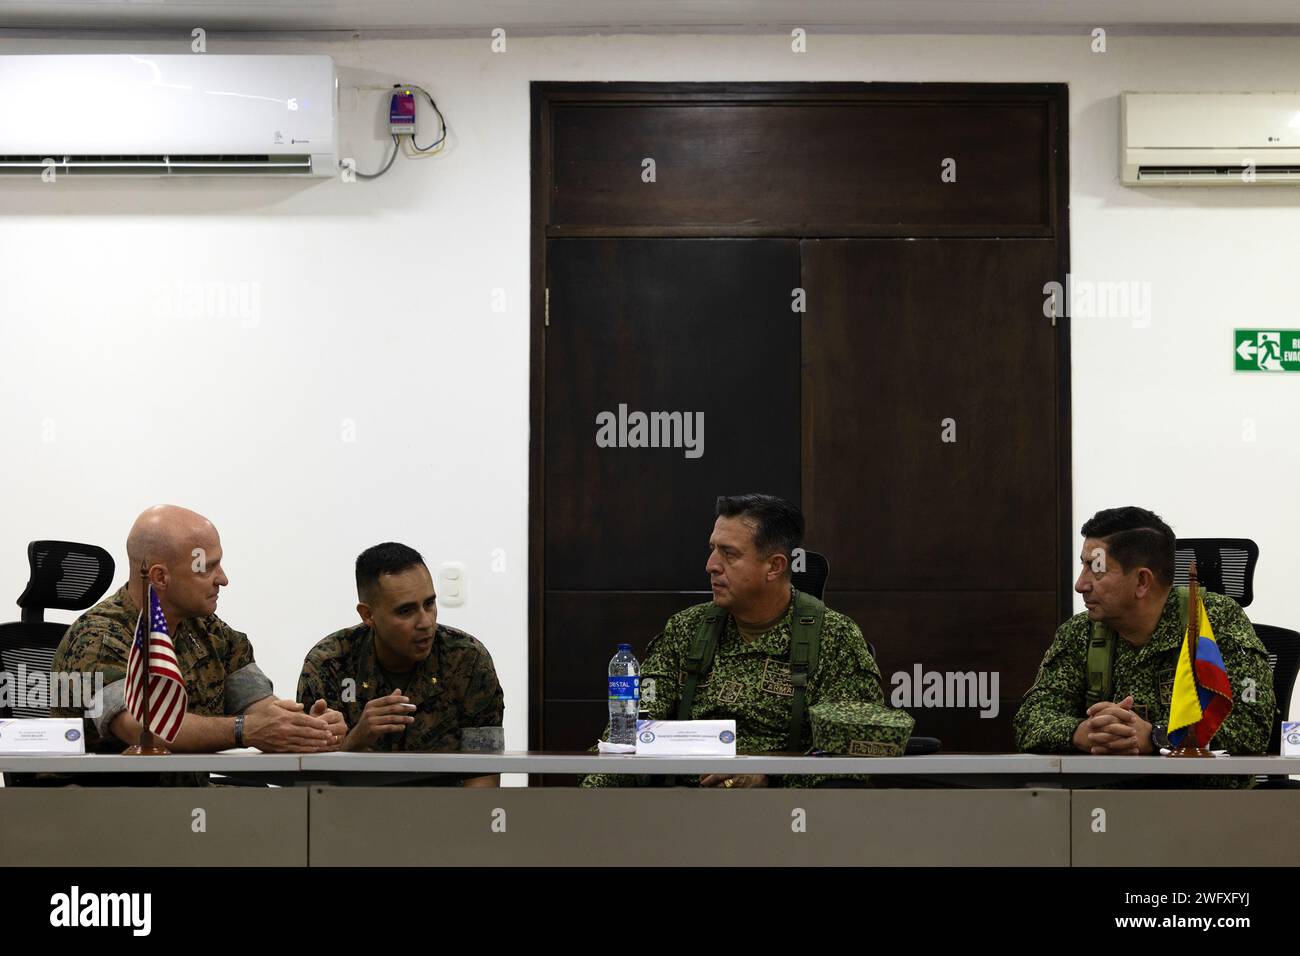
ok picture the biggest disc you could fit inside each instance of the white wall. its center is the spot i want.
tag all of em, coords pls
(375, 307)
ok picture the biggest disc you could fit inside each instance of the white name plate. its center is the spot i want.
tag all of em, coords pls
(43, 735)
(1290, 738)
(686, 738)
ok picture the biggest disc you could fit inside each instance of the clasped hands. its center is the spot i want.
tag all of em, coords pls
(1112, 729)
(276, 725)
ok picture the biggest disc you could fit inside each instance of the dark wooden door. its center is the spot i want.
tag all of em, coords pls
(671, 224)
(930, 456)
(696, 331)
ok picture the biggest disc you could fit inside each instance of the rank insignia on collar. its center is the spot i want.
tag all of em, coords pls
(433, 680)
(365, 685)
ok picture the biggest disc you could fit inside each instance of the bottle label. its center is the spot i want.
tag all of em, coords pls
(625, 688)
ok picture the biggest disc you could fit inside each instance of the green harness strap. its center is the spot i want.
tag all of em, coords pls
(805, 640)
(1101, 654)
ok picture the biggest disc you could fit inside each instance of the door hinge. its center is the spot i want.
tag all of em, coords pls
(547, 307)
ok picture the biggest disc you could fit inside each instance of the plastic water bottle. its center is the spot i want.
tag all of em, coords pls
(624, 695)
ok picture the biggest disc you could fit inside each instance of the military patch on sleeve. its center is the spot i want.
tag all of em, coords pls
(1167, 691)
(776, 678)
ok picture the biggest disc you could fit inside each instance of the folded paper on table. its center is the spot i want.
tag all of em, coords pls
(686, 738)
(43, 735)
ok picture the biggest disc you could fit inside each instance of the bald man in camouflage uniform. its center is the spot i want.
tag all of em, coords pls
(1127, 584)
(230, 703)
(749, 568)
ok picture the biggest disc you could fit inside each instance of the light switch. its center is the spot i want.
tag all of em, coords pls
(452, 584)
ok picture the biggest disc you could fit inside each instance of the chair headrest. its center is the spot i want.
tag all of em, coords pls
(812, 574)
(66, 575)
(1225, 565)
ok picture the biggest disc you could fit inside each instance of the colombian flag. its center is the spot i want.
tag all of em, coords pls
(1200, 702)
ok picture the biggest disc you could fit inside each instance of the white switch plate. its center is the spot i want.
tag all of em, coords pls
(453, 584)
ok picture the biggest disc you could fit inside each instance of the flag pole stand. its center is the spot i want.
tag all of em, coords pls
(148, 745)
(1191, 748)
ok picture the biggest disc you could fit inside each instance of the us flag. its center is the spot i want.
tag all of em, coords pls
(167, 696)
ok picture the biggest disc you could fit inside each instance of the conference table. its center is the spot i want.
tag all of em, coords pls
(344, 809)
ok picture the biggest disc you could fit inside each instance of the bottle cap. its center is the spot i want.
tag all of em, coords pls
(625, 647)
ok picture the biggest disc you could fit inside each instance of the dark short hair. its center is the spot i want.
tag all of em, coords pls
(387, 558)
(1135, 538)
(778, 524)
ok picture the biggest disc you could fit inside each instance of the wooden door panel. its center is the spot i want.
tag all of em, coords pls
(701, 327)
(900, 337)
(809, 168)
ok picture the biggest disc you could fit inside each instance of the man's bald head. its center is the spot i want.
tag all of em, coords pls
(165, 534)
(180, 552)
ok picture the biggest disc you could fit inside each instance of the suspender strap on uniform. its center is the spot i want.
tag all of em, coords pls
(700, 656)
(1101, 654)
(1101, 657)
(805, 635)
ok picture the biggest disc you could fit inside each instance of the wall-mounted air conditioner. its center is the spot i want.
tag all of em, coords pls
(199, 114)
(1209, 139)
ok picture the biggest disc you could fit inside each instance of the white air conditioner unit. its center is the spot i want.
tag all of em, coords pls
(1209, 139)
(198, 114)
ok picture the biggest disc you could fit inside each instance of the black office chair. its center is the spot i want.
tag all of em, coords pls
(64, 576)
(1283, 646)
(1223, 565)
(1227, 566)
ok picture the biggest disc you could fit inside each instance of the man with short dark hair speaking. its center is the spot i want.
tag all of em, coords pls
(402, 680)
(747, 673)
(1127, 584)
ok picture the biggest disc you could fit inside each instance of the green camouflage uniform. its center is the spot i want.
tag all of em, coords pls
(750, 682)
(1055, 704)
(453, 688)
(221, 678)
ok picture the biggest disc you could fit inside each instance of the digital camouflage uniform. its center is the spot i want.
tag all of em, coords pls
(221, 678)
(750, 682)
(455, 687)
(1055, 704)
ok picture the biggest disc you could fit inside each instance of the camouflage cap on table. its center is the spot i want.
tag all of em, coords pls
(856, 728)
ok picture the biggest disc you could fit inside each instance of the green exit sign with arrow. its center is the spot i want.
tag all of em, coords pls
(1266, 350)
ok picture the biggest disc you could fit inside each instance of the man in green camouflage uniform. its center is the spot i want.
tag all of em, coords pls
(1127, 585)
(750, 552)
(231, 703)
(403, 681)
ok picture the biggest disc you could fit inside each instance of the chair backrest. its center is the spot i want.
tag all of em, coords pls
(27, 649)
(1223, 565)
(1283, 646)
(65, 576)
(812, 579)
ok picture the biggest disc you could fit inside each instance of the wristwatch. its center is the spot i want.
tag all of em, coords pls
(1160, 737)
(239, 731)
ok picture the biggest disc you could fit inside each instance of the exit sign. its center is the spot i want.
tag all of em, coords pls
(1266, 350)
